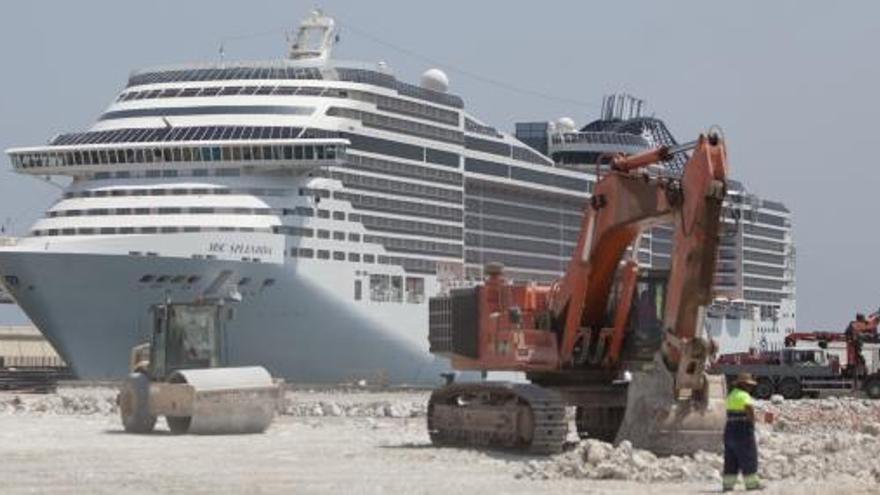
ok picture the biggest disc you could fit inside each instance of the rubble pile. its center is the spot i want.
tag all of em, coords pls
(806, 440)
(79, 401)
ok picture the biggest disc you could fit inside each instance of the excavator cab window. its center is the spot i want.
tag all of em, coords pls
(645, 323)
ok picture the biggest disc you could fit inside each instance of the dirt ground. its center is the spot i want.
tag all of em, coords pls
(51, 452)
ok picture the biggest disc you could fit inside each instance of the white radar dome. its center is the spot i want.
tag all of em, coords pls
(565, 124)
(435, 80)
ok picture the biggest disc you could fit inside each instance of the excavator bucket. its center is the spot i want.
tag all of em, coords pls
(220, 400)
(654, 420)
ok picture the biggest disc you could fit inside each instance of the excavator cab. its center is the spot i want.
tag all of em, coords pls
(644, 329)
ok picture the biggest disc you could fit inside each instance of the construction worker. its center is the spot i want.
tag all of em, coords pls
(740, 448)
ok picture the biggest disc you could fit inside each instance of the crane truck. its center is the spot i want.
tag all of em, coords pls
(798, 370)
(179, 374)
(625, 348)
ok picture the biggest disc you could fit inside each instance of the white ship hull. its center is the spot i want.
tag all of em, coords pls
(303, 327)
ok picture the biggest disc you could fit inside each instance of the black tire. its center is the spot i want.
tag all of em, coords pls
(134, 404)
(872, 388)
(764, 388)
(790, 389)
(178, 425)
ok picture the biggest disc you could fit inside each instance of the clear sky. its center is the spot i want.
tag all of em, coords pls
(793, 85)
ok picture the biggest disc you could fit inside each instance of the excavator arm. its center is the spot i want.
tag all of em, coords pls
(625, 204)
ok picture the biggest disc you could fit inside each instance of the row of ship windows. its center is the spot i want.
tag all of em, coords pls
(329, 152)
(181, 191)
(749, 228)
(399, 169)
(416, 246)
(303, 211)
(369, 183)
(486, 207)
(472, 126)
(224, 73)
(286, 72)
(505, 150)
(527, 175)
(140, 230)
(399, 149)
(558, 248)
(477, 222)
(396, 105)
(326, 254)
(374, 203)
(534, 197)
(403, 126)
(189, 133)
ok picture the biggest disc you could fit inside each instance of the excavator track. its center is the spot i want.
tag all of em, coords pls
(510, 416)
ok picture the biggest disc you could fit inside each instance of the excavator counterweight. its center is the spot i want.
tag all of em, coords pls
(623, 345)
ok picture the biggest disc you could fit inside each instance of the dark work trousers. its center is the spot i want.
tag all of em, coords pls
(740, 449)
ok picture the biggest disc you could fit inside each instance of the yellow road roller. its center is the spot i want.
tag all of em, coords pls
(180, 374)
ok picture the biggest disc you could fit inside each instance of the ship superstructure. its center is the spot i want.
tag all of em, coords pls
(329, 198)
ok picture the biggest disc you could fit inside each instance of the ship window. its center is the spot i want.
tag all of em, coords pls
(354, 257)
(323, 234)
(288, 152)
(244, 281)
(200, 172)
(148, 230)
(126, 230)
(298, 152)
(146, 278)
(323, 254)
(338, 255)
(141, 211)
(358, 289)
(397, 289)
(241, 153)
(169, 173)
(338, 236)
(415, 290)
(309, 152)
(380, 287)
(68, 231)
(323, 213)
(306, 253)
(338, 215)
(369, 258)
(354, 237)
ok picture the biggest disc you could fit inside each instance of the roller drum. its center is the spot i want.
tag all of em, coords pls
(227, 400)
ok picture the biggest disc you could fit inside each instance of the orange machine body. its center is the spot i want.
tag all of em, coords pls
(581, 319)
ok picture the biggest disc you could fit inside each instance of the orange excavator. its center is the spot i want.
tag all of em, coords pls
(623, 347)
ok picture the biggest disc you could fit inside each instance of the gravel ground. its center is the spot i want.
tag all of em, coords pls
(375, 442)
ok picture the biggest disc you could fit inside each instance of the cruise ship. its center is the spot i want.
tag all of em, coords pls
(325, 200)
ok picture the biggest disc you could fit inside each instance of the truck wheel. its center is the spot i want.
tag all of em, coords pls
(790, 389)
(764, 388)
(872, 388)
(134, 404)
